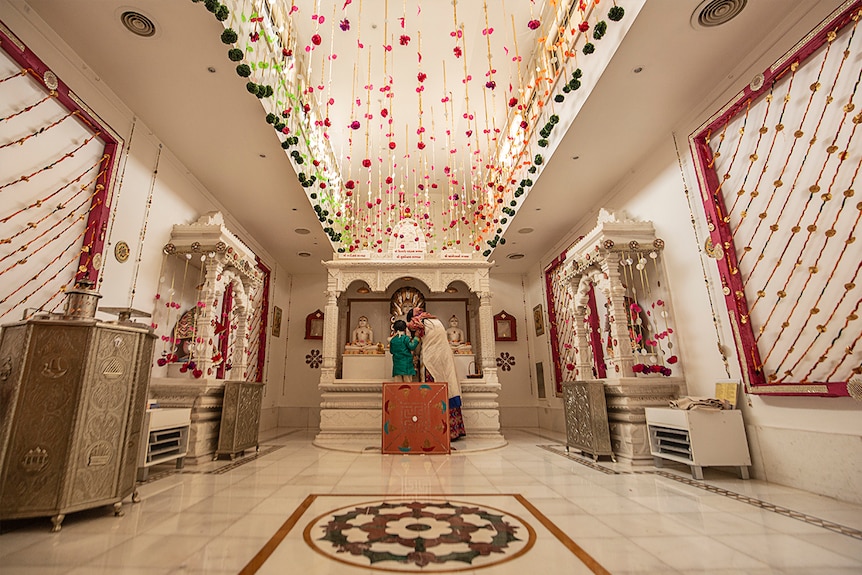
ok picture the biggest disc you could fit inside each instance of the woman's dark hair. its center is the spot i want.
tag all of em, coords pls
(400, 325)
(410, 314)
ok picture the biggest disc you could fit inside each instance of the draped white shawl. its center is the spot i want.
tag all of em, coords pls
(437, 355)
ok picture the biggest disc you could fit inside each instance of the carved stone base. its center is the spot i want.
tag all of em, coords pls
(204, 397)
(351, 416)
(626, 399)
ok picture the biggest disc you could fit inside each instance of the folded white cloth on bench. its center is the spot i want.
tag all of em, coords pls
(703, 403)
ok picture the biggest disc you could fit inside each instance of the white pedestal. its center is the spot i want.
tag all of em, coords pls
(375, 367)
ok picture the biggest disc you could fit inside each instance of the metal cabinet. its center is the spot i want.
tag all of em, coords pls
(72, 397)
(240, 417)
(586, 414)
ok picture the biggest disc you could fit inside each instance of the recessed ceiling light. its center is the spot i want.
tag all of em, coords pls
(526, 231)
(211, 69)
(302, 231)
(138, 24)
(576, 157)
(515, 256)
(262, 155)
(304, 254)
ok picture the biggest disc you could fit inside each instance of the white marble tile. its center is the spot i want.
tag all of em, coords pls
(698, 552)
(781, 550)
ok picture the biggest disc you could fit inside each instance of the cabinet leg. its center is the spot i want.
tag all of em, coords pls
(697, 472)
(180, 462)
(136, 496)
(743, 472)
(118, 509)
(57, 522)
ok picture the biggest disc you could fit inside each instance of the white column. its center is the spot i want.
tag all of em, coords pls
(486, 333)
(330, 337)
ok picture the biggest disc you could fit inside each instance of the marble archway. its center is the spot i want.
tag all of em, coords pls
(350, 417)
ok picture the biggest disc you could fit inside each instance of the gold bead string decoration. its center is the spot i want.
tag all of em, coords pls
(813, 189)
(700, 252)
(118, 189)
(143, 233)
(33, 106)
(848, 351)
(793, 247)
(812, 227)
(779, 129)
(70, 154)
(39, 202)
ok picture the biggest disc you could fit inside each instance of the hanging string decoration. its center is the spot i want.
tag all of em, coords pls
(783, 212)
(55, 168)
(464, 161)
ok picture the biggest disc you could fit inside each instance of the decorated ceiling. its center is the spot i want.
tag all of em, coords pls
(438, 113)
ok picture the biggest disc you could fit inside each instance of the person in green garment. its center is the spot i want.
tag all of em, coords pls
(401, 347)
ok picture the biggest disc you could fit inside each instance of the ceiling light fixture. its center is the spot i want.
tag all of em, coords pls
(638, 69)
(302, 231)
(211, 69)
(515, 256)
(304, 254)
(526, 231)
(138, 24)
(712, 13)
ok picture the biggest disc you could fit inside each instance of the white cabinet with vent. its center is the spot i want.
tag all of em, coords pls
(166, 438)
(698, 438)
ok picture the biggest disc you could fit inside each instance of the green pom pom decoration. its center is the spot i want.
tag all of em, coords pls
(559, 98)
(543, 143)
(313, 196)
(229, 36)
(261, 91)
(616, 13)
(600, 29)
(271, 118)
(538, 159)
(589, 48)
(222, 13)
(574, 84)
(269, 91)
(486, 253)
(566, 88)
(502, 241)
(285, 145)
(532, 169)
(235, 54)
(251, 87)
(554, 119)
(577, 73)
(504, 220)
(280, 126)
(529, 182)
(212, 5)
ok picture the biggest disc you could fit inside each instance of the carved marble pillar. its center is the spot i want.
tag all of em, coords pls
(239, 359)
(204, 329)
(585, 361)
(486, 334)
(330, 338)
(623, 360)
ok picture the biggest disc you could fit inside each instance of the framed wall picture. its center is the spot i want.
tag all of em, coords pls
(505, 328)
(314, 325)
(539, 320)
(276, 321)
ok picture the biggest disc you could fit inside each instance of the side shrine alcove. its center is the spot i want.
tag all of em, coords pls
(210, 308)
(616, 327)
(364, 297)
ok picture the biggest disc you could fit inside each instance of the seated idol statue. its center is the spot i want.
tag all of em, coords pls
(456, 338)
(362, 339)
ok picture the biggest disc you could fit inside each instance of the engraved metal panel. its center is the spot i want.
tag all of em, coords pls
(240, 419)
(587, 417)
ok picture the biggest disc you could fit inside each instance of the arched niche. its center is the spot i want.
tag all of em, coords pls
(350, 407)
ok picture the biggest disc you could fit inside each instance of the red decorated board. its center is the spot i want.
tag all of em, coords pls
(415, 418)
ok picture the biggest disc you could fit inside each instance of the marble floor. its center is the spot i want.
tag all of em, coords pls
(528, 507)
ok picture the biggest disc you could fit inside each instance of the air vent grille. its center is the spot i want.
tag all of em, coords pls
(712, 13)
(138, 24)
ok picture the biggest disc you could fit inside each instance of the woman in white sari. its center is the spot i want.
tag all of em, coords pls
(439, 361)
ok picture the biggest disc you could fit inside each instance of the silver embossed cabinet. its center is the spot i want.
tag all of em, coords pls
(587, 418)
(72, 397)
(240, 417)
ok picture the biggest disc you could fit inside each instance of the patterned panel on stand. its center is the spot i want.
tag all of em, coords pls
(38, 451)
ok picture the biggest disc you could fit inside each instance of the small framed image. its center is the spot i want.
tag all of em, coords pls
(276, 321)
(505, 328)
(539, 320)
(314, 325)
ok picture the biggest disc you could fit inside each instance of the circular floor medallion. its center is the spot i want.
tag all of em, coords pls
(410, 536)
